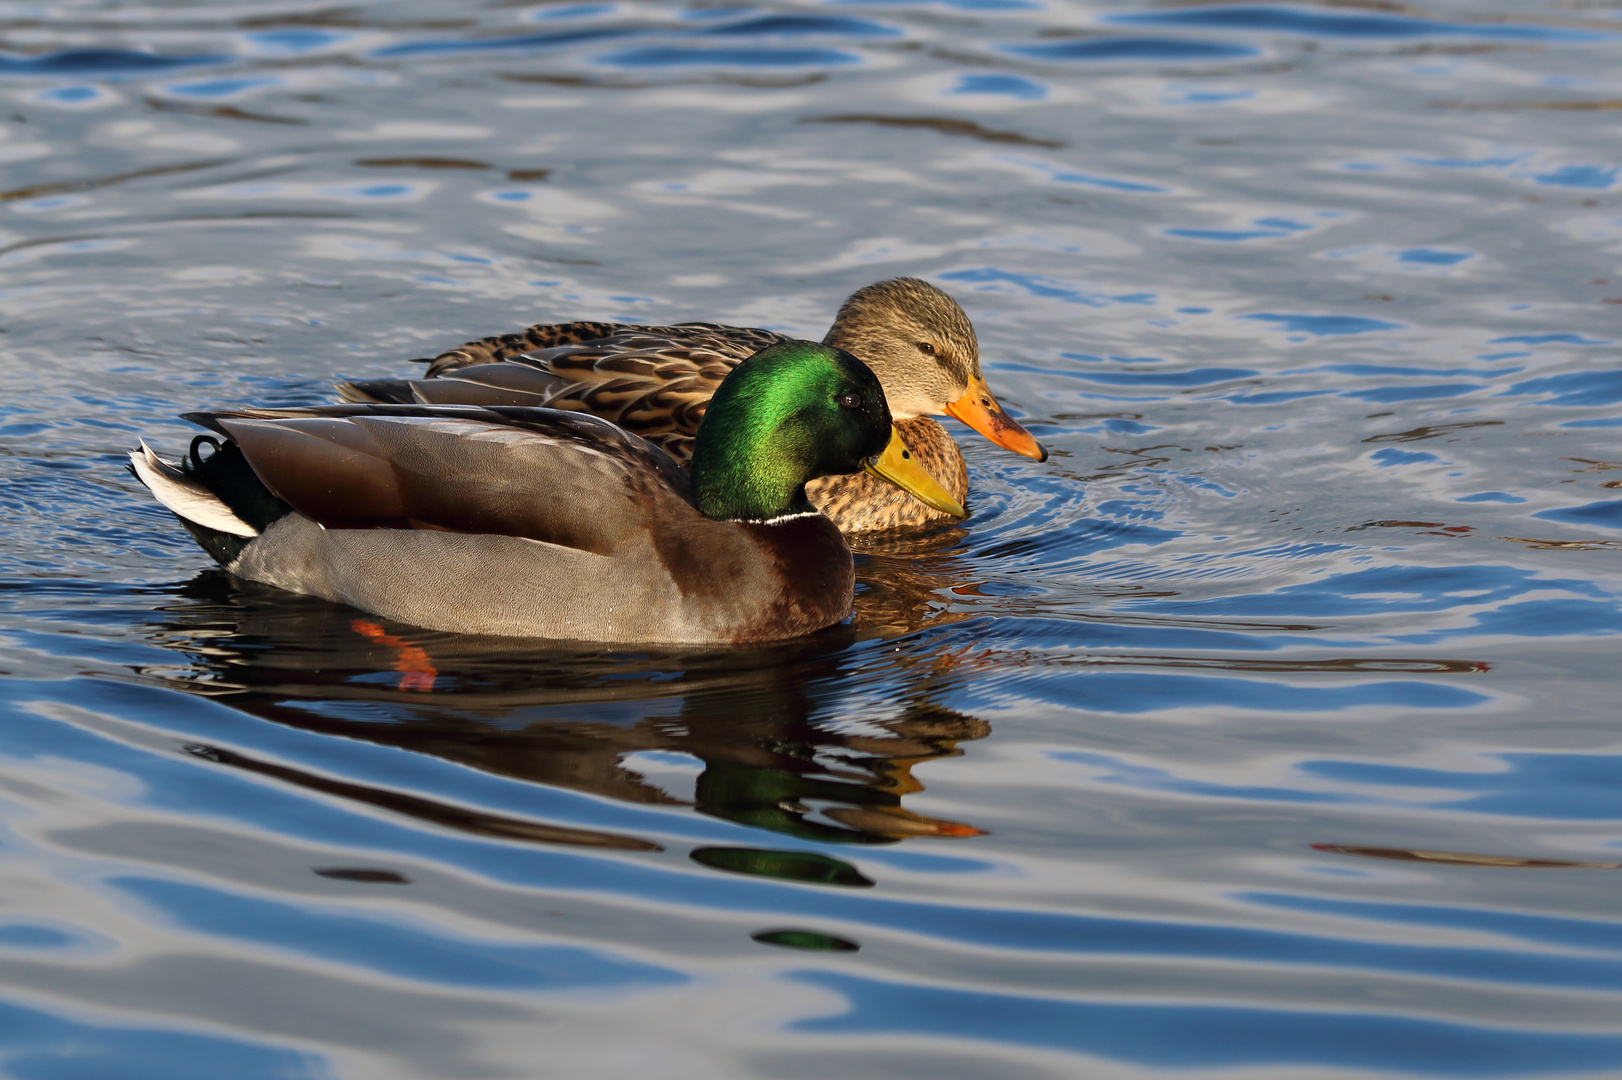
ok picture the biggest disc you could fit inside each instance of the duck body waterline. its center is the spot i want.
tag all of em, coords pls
(657, 381)
(546, 523)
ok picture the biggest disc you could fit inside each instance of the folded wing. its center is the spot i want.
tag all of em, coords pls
(559, 477)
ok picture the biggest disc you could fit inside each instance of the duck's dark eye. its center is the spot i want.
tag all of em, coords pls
(850, 401)
(926, 348)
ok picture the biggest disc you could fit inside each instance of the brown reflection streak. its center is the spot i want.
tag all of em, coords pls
(1430, 528)
(1099, 416)
(1562, 545)
(44, 241)
(364, 874)
(223, 112)
(454, 817)
(1462, 859)
(1594, 466)
(421, 163)
(66, 186)
(348, 19)
(1430, 667)
(1481, 49)
(1140, 458)
(1433, 431)
(764, 82)
(262, 215)
(945, 125)
(1194, 623)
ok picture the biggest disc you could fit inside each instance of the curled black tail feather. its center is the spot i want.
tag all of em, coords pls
(228, 475)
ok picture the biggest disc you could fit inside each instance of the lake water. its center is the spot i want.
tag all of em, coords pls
(1268, 730)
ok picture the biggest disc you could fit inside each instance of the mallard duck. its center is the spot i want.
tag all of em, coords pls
(657, 380)
(545, 523)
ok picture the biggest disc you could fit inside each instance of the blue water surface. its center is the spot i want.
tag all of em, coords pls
(1268, 727)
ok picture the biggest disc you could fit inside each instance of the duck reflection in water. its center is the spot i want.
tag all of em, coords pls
(769, 726)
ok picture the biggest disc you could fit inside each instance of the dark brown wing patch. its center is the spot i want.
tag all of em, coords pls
(329, 470)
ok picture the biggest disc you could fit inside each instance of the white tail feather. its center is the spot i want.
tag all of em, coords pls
(185, 496)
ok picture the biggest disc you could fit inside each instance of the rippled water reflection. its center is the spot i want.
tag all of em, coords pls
(1267, 730)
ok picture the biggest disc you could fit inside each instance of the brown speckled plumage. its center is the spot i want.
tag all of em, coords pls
(864, 503)
(504, 346)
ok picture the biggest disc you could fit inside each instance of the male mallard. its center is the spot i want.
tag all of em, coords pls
(545, 523)
(657, 380)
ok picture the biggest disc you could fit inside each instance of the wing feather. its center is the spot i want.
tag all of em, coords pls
(655, 381)
(557, 477)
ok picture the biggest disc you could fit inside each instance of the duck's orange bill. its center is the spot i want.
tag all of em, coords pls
(980, 410)
(898, 466)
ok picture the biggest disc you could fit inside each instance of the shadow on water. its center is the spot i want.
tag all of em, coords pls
(814, 739)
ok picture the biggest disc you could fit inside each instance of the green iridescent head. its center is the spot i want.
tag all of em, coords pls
(788, 414)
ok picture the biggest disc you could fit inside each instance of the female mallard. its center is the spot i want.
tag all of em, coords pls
(657, 380)
(544, 523)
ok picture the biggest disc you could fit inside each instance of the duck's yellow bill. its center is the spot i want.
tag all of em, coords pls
(898, 466)
(980, 410)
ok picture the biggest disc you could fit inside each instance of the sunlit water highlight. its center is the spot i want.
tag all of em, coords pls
(1269, 729)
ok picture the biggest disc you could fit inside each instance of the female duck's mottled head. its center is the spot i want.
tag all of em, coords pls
(787, 415)
(923, 349)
